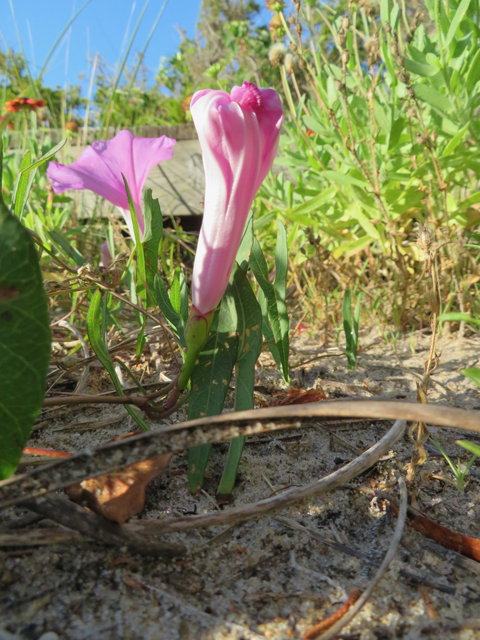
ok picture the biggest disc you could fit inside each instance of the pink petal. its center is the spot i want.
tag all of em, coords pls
(239, 139)
(100, 167)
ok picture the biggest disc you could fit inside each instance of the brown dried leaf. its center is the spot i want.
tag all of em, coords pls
(119, 495)
(300, 396)
(466, 545)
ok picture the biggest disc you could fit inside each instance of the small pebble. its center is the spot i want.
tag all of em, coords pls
(50, 635)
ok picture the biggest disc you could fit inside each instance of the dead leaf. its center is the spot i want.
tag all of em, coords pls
(299, 396)
(119, 495)
(466, 545)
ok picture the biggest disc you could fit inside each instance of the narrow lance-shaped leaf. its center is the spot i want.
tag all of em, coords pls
(211, 379)
(96, 327)
(274, 295)
(152, 238)
(24, 338)
(174, 319)
(249, 329)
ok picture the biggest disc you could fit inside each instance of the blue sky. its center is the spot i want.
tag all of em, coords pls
(101, 27)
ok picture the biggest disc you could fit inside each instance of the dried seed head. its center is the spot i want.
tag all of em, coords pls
(291, 63)
(403, 77)
(411, 112)
(293, 47)
(341, 37)
(339, 86)
(370, 45)
(302, 64)
(424, 239)
(345, 23)
(345, 56)
(367, 6)
(411, 93)
(276, 54)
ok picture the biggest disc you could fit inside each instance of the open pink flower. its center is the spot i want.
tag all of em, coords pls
(239, 138)
(100, 169)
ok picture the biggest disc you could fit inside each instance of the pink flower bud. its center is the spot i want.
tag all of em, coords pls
(239, 136)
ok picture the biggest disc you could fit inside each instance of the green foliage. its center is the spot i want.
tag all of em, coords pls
(351, 328)
(272, 299)
(24, 338)
(382, 135)
(96, 325)
(460, 471)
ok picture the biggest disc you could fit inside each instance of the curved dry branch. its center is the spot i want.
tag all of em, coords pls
(177, 438)
(283, 499)
(352, 612)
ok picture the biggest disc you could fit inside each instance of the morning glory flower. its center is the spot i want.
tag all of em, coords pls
(239, 135)
(100, 167)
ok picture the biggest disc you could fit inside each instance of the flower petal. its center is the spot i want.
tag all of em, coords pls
(147, 153)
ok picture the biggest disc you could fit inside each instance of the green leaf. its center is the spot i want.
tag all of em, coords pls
(243, 253)
(424, 70)
(46, 156)
(314, 203)
(351, 328)
(469, 446)
(385, 11)
(96, 328)
(18, 195)
(457, 18)
(138, 244)
(152, 237)
(66, 247)
(211, 379)
(473, 75)
(249, 328)
(455, 141)
(274, 294)
(432, 97)
(473, 374)
(396, 132)
(174, 319)
(458, 317)
(343, 179)
(24, 338)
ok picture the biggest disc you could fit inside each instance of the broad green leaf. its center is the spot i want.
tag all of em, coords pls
(174, 319)
(96, 327)
(314, 203)
(468, 202)
(396, 132)
(24, 338)
(343, 179)
(432, 97)
(152, 237)
(473, 374)
(249, 318)
(385, 11)
(211, 379)
(457, 18)
(424, 70)
(473, 75)
(352, 247)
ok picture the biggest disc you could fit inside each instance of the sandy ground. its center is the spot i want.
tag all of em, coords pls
(262, 579)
